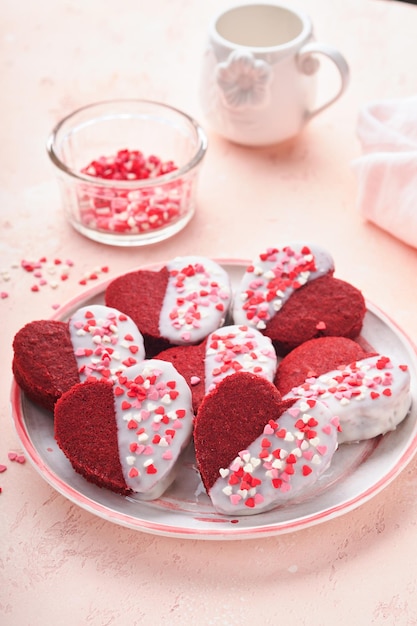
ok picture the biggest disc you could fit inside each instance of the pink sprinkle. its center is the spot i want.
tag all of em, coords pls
(3, 295)
(14, 456)
(3, 468)
(194, 380)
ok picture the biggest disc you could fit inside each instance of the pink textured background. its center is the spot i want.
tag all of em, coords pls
(60, 564)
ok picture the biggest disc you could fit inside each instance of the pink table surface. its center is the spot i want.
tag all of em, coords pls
(62, 565)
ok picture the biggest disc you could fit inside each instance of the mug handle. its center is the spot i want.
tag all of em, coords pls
(309, 65)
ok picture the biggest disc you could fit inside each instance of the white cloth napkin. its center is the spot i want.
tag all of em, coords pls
(387, 170)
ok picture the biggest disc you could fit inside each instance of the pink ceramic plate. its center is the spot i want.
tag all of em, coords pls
(358, 471)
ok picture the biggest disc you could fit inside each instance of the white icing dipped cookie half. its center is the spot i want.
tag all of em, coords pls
(370, 396)
(271, 280)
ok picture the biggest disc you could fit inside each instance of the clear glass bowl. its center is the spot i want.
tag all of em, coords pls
(128, 212)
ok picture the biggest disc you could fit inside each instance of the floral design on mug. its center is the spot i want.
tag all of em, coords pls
(243, 80)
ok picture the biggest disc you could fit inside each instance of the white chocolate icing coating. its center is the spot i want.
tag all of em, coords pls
(234, 348)
(105, 342)
(154, 424)
(370, 397)
(272, 279)
(196, 301)
(280, 465)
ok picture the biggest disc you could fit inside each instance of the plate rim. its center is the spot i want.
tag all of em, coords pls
(233, 532)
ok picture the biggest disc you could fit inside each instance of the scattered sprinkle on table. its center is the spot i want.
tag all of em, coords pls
(14, 457)
(46, 273)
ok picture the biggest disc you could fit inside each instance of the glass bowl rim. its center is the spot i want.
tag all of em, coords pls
(201, 149)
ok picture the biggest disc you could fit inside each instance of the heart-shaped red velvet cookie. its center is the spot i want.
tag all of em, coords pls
(51, 356)
(127, 437)
(291, 295)
(255, 451)
(225, 351)
(370, 396)
(178, 305)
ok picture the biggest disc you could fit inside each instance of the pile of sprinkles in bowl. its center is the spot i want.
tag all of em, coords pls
(122, 210)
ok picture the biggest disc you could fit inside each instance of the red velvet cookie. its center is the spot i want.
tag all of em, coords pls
(292, 296)
(255, 451)
(44, 364)
(316, 357)
(179, 305)
(370, 396)
(51, 356)
(127, 437)
(225, 351)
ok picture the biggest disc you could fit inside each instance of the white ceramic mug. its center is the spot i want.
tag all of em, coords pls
(259, 75)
